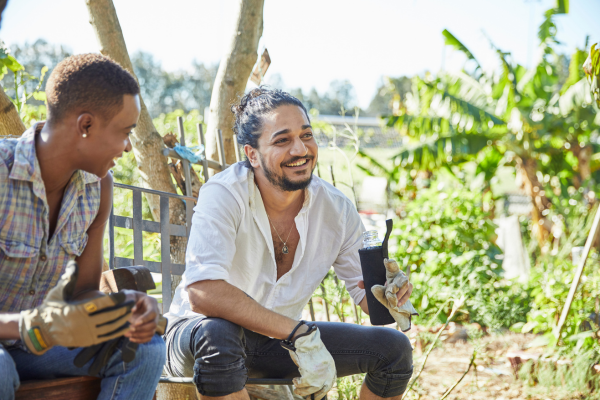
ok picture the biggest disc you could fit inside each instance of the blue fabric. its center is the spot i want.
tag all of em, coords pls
(188, 153)
(136, 380)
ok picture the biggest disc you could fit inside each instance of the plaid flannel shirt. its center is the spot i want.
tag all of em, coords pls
(30, 261)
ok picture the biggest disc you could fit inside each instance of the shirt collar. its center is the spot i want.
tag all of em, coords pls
(27, 168)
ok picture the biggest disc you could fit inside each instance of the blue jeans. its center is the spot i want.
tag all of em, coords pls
(221, 355)
(134, 380)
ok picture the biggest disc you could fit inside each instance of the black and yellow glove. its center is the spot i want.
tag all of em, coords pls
(59, 322)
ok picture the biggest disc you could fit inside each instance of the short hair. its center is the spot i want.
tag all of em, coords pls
(90, 83)
(251, 107)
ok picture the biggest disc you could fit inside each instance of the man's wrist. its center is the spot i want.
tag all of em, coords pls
(9, 326)
(303, 329)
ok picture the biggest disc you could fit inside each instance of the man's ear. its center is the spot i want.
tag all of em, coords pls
(252, 155)
(85, 121)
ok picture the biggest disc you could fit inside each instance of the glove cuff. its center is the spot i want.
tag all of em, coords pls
(289, 343)
(32, 335)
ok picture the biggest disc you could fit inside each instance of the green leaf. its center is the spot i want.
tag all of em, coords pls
(43, 72)
(575, 71)
(451, 40)
(11, 63)
(562, 6)
(40, 96)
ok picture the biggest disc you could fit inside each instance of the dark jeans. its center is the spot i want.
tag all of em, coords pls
(221, 355)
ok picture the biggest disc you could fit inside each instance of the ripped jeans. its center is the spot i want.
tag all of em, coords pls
(221, 355)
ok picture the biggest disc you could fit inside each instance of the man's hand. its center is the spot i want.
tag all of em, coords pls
(394, 295)
(315, 364)
(402, 295)
(61, 322)
(144, 317)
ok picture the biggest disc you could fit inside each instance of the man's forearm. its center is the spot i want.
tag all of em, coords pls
(364, 306)
(222, 300)
(9, 326)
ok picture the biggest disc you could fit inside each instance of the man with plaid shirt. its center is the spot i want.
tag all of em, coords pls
(55, 199)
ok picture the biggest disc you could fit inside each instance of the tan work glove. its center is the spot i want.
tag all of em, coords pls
(387, 295)
(78, 324)
(316, 366)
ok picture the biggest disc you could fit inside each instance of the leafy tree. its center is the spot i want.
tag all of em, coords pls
(389, 95)
(527, 118)
(165, 91)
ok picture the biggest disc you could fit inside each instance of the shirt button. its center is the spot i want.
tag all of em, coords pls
(43, 257)
(32, 292)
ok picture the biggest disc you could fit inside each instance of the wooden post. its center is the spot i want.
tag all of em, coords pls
(185, 163)
(312, 309)
(204, 161)
(586, 251)
(332, 176)
(221, 149)
(236, 147)
(325, 300)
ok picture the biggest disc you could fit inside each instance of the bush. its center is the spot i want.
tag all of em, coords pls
(447, 239)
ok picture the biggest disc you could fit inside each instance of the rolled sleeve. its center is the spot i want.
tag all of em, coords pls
(347, 264)
(211, 245)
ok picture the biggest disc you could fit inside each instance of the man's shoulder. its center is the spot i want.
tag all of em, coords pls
(234, 180)
(7, 155)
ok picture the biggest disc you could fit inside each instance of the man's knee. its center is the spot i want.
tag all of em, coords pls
(393, 376)
(9, 379)
(220, 366)
(219, 341)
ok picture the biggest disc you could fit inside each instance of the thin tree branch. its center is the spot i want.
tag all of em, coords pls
(457, 305)
(461, 378)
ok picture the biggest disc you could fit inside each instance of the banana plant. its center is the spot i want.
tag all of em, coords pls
(520, 116)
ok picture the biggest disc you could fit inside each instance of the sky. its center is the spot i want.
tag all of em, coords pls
(312, 43)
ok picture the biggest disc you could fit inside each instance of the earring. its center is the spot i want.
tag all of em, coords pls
(84, 135)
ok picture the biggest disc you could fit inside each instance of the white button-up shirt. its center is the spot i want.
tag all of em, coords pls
(231, 240)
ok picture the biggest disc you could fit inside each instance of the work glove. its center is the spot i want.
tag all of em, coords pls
(58, 322)
(101, 353)
(386, 295)
(316, 366)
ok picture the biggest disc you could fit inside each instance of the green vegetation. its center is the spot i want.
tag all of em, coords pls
(467, 137)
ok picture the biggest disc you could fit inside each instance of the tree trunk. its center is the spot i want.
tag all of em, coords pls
(234, 70)
(542, 227)
(10, 121)
(147, 143)
(2, 6)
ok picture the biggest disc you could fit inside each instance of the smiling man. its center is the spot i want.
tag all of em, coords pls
(265, 233)
(55, 200)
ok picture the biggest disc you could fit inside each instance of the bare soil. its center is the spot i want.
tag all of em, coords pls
(492, 376)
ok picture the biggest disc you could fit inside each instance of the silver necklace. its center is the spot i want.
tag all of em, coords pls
(285, 249)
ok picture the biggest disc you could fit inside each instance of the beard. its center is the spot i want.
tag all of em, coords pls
(281, 181)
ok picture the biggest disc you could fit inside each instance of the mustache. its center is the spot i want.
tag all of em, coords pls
(295, 159)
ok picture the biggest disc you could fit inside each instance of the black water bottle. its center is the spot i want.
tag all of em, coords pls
(371, 261)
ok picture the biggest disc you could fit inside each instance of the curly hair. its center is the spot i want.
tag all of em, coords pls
(248, 112)
(88, 83)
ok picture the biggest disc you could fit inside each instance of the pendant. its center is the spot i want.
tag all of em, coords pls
(285, 249)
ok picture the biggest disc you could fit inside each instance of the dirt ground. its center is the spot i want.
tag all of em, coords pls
(491, 378)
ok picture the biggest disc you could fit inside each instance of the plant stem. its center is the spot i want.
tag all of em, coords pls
(461, 378)
(457, 305)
